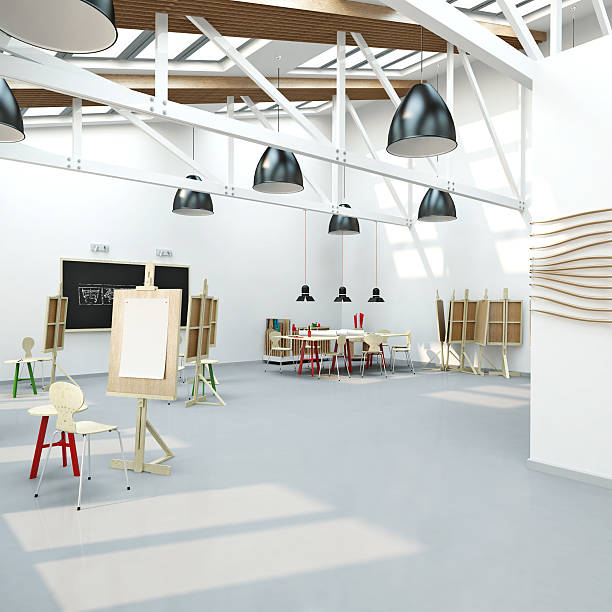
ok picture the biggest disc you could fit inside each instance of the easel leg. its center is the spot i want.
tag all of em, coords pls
(141, 432)
(42, 430)
(32, 381)
(160, 441)
(212, 377)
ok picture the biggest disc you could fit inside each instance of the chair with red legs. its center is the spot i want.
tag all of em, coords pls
(66, 441)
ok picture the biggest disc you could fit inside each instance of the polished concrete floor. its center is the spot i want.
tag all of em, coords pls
(405, 494)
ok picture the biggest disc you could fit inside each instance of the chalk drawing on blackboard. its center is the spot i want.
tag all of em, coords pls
(99, 295)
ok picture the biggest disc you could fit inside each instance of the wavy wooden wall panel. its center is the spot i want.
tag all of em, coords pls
(549, 270)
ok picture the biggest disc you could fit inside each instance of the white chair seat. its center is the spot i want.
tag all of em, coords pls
(92, 427)
(209, 361)
(49, 410)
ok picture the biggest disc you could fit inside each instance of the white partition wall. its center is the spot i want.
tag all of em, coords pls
(571, 404)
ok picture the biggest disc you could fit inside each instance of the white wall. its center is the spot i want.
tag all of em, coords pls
(571, 416)
(252, 254)
(485, 248)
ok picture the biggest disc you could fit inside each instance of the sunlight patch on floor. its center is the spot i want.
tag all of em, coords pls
(477, 399)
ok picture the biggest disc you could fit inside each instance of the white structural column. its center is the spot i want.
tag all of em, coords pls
(556, 26)
(161, 58)
(164, 142)
(257, 77)
(266, 123)
(520, 28)
(77, 131)
(52, 73)
(339, 118)
(602, 17)
(524, 94)
(372, 150)
(485, 114)
(229, 178)
(451, 24)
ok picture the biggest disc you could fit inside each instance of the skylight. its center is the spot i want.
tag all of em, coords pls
(211, 53)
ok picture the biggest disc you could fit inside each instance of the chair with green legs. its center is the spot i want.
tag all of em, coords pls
(27, 345)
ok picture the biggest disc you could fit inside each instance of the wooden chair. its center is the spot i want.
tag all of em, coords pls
(68, 399)
(335, 355)
(276, 349)
(374, 342)
(403, 348)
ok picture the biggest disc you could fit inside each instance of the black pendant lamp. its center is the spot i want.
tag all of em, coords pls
(192, 203)
(376, 291)
(71, 26)
(305, 295)
(278, 171)
(437, 206)
(422, 125)
(342, 297)
(341, 225)
(11, 121)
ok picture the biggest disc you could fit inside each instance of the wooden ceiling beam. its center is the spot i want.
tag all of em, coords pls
(215, 89)
(314, 21)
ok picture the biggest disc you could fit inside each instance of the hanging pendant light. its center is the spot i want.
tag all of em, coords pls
(422, 125)
(305, 295)
(71, 26)
(342, 297)
(11, 121)
(341, 225)
(192, 203)
(376, 291)
(278, 171)
(437, 206)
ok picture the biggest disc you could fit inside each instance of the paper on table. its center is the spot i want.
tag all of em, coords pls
(145, 334)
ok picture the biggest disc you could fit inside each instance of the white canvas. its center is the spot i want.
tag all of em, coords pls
(145, 334)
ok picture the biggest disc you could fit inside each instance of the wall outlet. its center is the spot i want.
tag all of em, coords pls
(99, 248)
(163, 252)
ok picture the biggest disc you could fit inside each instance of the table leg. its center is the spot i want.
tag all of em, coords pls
(311, 361)
(32, 381)
(73, 456)
(42, 430)
(316, 348)
(302, 357)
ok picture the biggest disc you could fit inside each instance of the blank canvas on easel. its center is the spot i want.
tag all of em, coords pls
(145, 334)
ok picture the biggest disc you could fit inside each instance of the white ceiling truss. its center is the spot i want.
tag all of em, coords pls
(28, 64)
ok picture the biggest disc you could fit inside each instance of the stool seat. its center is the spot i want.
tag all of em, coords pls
(92, 427)
(48, 410)
(209, 361)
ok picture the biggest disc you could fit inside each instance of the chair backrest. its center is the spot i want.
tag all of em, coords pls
(275, 338)
(385, 341)
(408, 338)
(27, 344)
(66, 399)
(341, 342)
(373, 341)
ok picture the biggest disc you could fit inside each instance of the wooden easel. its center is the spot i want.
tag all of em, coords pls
(140, 388)
(507, 332)
(461, 328)
(442, 335)
(201, 335)
(53, 337)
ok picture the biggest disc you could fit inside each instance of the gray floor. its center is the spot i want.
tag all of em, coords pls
(378, 495)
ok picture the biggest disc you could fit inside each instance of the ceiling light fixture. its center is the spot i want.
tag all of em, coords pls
(70, 26)
(305, 295)
(437, 206)
(376, 291)
(11, 121)
(422, 125)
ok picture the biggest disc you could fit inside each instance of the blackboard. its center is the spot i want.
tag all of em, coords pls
(89, 286)
(174, 277)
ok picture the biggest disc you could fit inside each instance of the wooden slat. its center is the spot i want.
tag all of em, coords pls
(216, 89)
(315, 21)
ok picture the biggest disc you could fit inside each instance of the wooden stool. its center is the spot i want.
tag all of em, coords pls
(211, 377)
(45, 412)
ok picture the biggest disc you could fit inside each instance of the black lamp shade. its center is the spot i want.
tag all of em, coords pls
(278, 171)
(188, 202)
(437, 206)
(376, 295)
(72, 26)
(341, 225)
(342, 297)
(422, 125)
(305, 296)
(11, 122)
